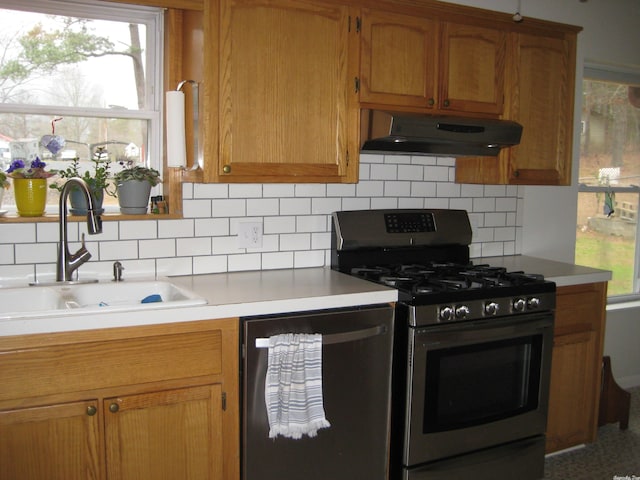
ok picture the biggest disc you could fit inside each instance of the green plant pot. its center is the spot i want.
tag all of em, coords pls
(133, 196)
(79, 202)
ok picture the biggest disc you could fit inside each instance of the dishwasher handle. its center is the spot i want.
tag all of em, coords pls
(342, 337)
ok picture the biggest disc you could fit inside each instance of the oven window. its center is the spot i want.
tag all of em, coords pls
(474, 384)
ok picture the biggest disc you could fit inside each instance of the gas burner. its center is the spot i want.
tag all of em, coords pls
(396, 281)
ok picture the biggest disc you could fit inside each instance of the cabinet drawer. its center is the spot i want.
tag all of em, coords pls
(580, 308)
(85, 366)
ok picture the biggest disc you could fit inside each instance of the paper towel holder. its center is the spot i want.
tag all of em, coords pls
(196, 119)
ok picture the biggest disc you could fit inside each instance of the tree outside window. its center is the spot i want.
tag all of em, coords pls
(91, 66)
(609, 179)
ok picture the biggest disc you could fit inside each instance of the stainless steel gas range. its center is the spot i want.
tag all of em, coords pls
(472, 350)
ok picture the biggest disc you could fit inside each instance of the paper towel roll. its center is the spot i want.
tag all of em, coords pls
(176, 142)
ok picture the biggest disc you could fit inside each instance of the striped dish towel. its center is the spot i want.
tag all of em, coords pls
(293, 386)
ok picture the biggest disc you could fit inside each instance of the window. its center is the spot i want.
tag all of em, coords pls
(609, 178)
(87, 71)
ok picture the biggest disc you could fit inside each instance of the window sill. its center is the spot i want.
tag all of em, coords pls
(106, 217)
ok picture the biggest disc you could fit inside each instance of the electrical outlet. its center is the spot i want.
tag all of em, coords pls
(250, 235)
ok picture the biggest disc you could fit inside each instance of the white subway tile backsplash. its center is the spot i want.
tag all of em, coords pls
(310, 190)
(210, 190)
(18, 233)
(498, 219)
(280, 224)
(370, 188)
(6, 255)
(196, 208)
(384, 172)
(311, 223)
(309, 258)
(175, 228)
(263, 207)
(119, 250)
(295, 206)
(277, 260)
(211, 227)
(229, 207)
(158, 248)
(186, 247)
(210, 264)
(136, 230)
(250, 261)
(295, 241)
(295, 219)
(324, 206)
(397, 189)
(278, 190)
(245, 190)
(35, 253)
(175, 266)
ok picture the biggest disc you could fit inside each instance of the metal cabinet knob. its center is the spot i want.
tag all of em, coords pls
(446, 103)
(92, 410)
(431, 102)
(114, 407)
(226, 169)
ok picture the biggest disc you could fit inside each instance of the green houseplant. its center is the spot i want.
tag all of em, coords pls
(133, 188)
(97, 180)
(4, 184)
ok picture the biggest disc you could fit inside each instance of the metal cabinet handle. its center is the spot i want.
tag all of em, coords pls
(226, 169)
(446, 103)
(91, 410)
(114, 407)
(335, 338)
(431, 102)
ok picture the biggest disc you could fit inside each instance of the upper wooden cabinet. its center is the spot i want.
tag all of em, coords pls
(288, 107)
(436, 66)
(540, 86)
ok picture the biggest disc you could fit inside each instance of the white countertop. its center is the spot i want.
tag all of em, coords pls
(242, 294)
(238, 294)
(563, 274)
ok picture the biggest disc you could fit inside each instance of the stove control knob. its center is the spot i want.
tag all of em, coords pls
(462, 311)
(491, 308)
(446, 313)
(533, 303)
(519, 304)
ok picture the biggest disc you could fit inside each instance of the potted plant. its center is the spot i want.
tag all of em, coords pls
(97, 180)
(29, 186)
(133, 188)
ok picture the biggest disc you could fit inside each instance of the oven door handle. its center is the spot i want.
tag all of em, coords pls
(343, 337)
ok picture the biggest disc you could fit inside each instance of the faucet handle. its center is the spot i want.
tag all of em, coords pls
(117, 271)
(82, 241)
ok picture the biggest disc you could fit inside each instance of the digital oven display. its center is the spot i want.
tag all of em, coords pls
(413, 222)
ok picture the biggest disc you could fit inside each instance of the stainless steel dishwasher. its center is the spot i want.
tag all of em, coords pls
(356, 369)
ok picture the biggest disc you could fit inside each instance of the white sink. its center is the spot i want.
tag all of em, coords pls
(16, 302)
(143, 294)
(83, 299)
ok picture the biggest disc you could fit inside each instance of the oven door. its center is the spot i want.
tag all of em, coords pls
(475, 385)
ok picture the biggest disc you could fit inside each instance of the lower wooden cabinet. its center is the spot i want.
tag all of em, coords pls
(576, 365)
(56, 442)
(182, 423)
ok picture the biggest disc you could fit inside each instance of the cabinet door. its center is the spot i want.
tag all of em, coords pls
(472, 69)
(288, 106)
(544, 85)
(165, 435)
(571, 398)
(56, 442)
(398, 59)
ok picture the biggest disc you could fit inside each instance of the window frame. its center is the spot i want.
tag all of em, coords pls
(607, 73)
(153, 18)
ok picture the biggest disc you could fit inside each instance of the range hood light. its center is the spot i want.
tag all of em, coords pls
(399, 139)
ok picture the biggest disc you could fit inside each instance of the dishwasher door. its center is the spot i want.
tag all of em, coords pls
(356, 370)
